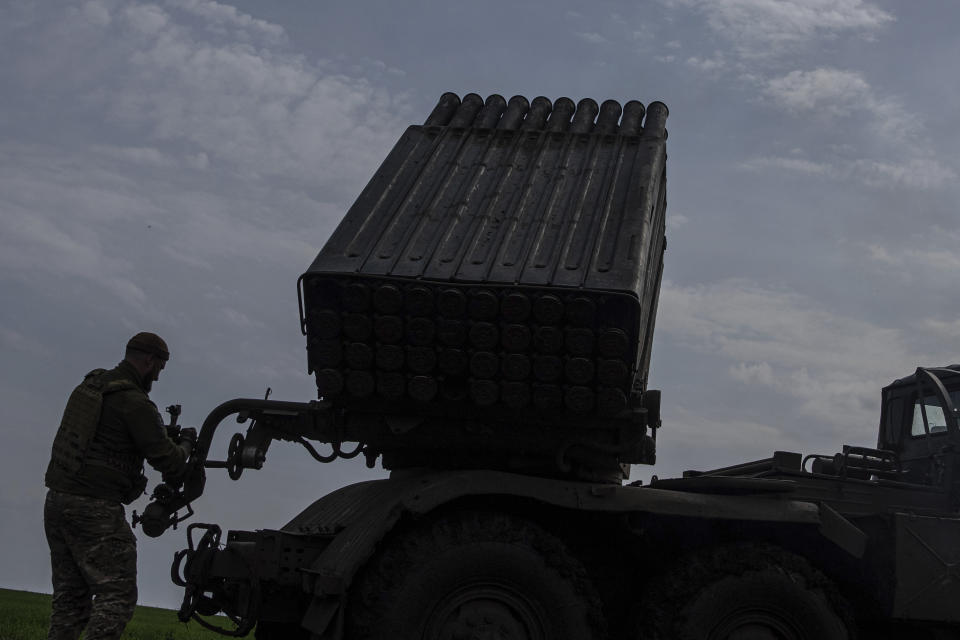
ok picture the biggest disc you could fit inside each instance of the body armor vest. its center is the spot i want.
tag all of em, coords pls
(79, 422)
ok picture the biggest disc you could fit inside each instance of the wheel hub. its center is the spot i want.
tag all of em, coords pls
(485, 612)
(755, 625)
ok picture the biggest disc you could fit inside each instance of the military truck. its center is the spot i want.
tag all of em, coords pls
(481, 323)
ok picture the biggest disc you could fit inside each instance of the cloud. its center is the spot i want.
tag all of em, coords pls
(758, 28)
(933, 252)
(205, 81)
(835, 91)
(948, 329)
(705, 441)
(749, 323)
(644, 35)
(148, 19)
(758, 372)
(15, 340)
(592, 37)
(34, 242)
(222, 15)
(707, 65)
(95, 13)
(146, 156)
(761, 37)
(263, 113)
(827, 93)
(676, 221)
(921, 173)
(185, 108)
(831, 97)
(787, 163)
(240, 319)
(833, 365)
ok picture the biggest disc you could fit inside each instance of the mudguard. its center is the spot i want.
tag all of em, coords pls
(362, 514)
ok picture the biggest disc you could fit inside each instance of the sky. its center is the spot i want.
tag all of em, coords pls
(174, 166)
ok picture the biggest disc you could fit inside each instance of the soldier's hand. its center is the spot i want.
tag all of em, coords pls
(188, 439)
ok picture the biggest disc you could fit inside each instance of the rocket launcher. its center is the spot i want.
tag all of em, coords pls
(503, 263)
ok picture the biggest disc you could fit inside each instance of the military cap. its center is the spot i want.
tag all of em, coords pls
(149, 343)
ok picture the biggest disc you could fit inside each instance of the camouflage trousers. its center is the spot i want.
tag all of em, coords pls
(94, 558)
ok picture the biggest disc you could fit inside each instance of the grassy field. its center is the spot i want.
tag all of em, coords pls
(25, 615)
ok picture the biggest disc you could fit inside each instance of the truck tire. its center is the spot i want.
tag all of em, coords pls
(745, 592)
(473, 575)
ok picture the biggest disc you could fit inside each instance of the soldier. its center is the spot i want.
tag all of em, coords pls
(108, 428)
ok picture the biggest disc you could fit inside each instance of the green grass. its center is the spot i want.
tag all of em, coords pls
(25, 616)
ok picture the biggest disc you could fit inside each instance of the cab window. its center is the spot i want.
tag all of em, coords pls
(935, 417)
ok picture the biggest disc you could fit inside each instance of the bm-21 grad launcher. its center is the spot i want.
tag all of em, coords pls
(489, 299)
(488, 302)
(481, 322)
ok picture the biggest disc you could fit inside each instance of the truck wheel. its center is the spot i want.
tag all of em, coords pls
(745, 593)
(474, 576)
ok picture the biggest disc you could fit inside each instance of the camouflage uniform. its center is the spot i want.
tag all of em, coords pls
(94, 558)
(92, 548)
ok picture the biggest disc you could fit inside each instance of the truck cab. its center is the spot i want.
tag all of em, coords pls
(918, 422)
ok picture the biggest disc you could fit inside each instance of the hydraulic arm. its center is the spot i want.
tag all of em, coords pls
(329, 433)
